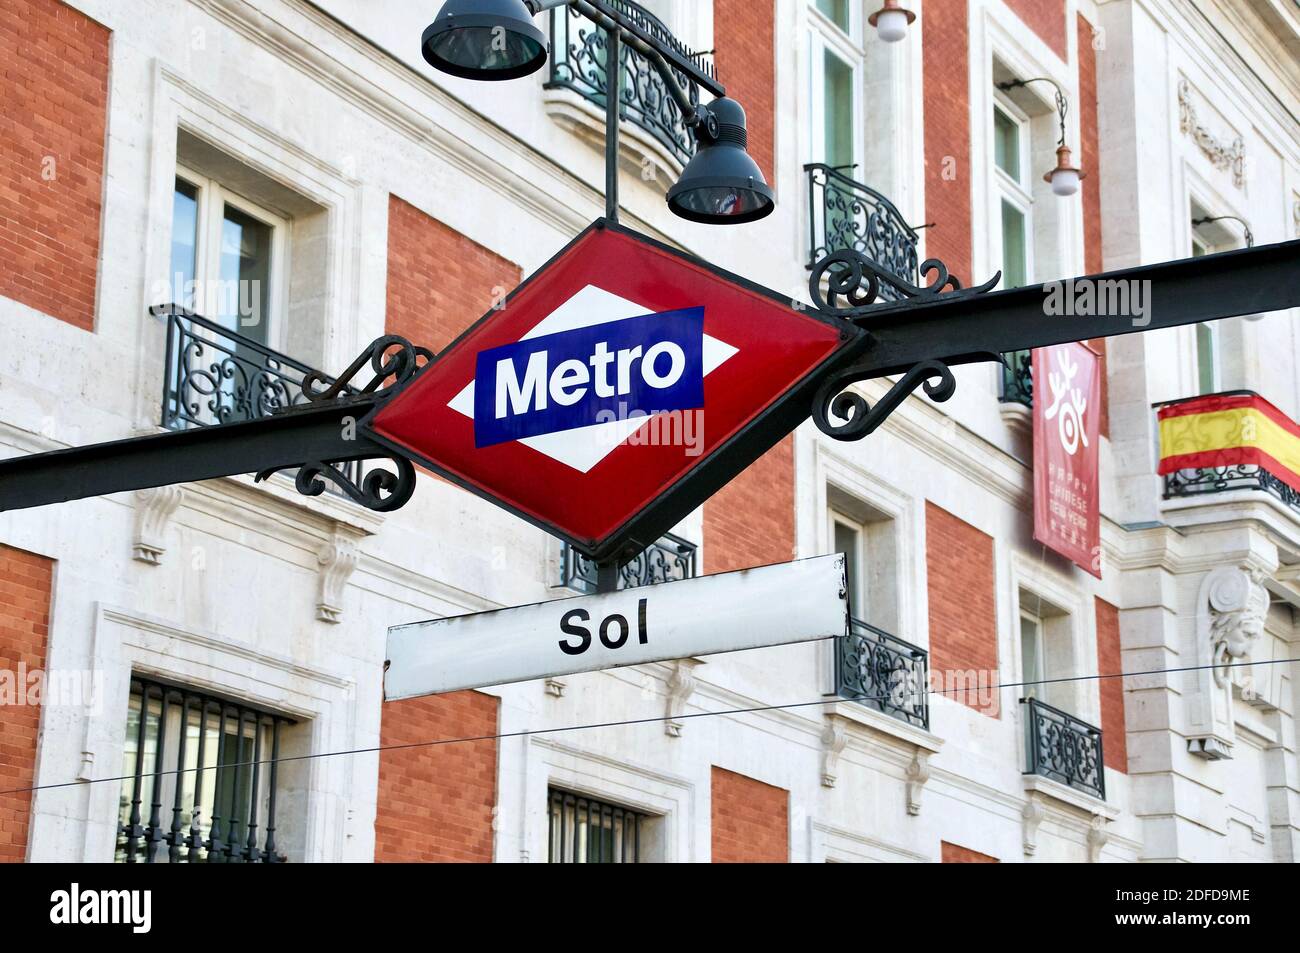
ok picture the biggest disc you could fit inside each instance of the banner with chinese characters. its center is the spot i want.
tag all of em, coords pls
(1067, 404)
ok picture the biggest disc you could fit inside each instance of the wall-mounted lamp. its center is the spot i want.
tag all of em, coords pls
(891, 21)
(1065, 177)
(1250, 236)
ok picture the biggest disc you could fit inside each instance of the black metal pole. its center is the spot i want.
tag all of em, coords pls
(613, 73)
(607, 575)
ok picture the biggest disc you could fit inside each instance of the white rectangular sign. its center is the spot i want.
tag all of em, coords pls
(791, 602)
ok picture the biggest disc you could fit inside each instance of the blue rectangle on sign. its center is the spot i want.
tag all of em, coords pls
(589, 375)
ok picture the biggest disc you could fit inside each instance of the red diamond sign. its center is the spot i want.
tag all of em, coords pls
(615, 390)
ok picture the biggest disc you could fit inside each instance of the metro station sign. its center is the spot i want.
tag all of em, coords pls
(615, 390)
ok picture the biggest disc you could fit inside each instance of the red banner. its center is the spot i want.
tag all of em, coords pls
(1067, 405)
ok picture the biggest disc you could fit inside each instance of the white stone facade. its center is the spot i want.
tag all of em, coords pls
(254, 592)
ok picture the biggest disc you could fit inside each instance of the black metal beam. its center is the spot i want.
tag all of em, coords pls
(326, 432)
(959, 327)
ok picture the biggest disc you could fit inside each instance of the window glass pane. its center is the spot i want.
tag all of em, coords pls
(1205, 358)
(185, 230)
(1013, 246)
(1031, 656)
(1006, 144)
(245, 274)
(846, 542)
(837, 11)
(837, 115)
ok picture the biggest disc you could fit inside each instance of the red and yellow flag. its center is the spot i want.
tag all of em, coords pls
(1222, 430)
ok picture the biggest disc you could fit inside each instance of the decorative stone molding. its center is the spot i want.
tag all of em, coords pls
(555, 687)
(681, 685)
(1033, 814)
(154, 509)
(834, 738)
(1098, 835)
(1231, 607)
(1238, 605)
(1225, 158)
(337, 559)
(918, 772)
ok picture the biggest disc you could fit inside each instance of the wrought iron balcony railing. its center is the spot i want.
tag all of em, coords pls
(668, 560)
(1241, 476)
(216, 376)
(882, 672)
(578, 63)
(844, 214)
(1063, 748)
(1018, 378)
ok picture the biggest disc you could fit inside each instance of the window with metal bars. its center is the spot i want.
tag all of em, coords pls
(587, 831)
(200, 779)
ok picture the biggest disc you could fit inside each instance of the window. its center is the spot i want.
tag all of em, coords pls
(1031, 655)
(848, 540)
(835, 63)
(586, 831)
(1207, 335)
(200, 779)
(1014, 192)
(227, 257)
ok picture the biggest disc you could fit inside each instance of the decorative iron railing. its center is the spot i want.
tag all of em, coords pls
(844, 214)
(1241, 476)
(1018, 378)
(882, 672)
(201, 778)
(217, 376)
(667, 560)
(586, 831)
(578, 64)
(1063, 748)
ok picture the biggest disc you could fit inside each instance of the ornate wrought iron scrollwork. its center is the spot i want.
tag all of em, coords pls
(379, 489)
(393, 359)
(860, 418)
(855, 279)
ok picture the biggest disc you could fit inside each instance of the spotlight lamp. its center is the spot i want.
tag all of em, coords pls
(497, 40)
(891, 21)
(484, 39)
(1065, 178)
(722, 184)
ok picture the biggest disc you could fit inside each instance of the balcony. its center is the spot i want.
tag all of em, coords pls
(1062, 748)
(669, 559)
(882, 672)
(844, 214)
(577, 64)
(1018, 378)
(1225, 443)
(213, 376)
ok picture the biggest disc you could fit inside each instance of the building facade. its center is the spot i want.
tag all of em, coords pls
(293, 174)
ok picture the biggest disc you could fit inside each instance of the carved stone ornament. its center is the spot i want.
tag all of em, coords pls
(1238, 604)
(154, 509)
(1227, 158)
(337, 559)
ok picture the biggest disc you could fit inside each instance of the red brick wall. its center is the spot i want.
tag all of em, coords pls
(1044, 17)
(750, 521)
(1113, 737)
(1088, 158)
(954, 854)
(944, 44)
(26, 581)
(439, 282)
(436, 803)
(53, 115)
(751, 820)
(746, 61)
(963, 614)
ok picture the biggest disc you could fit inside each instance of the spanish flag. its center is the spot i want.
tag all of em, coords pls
(1222, 430)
